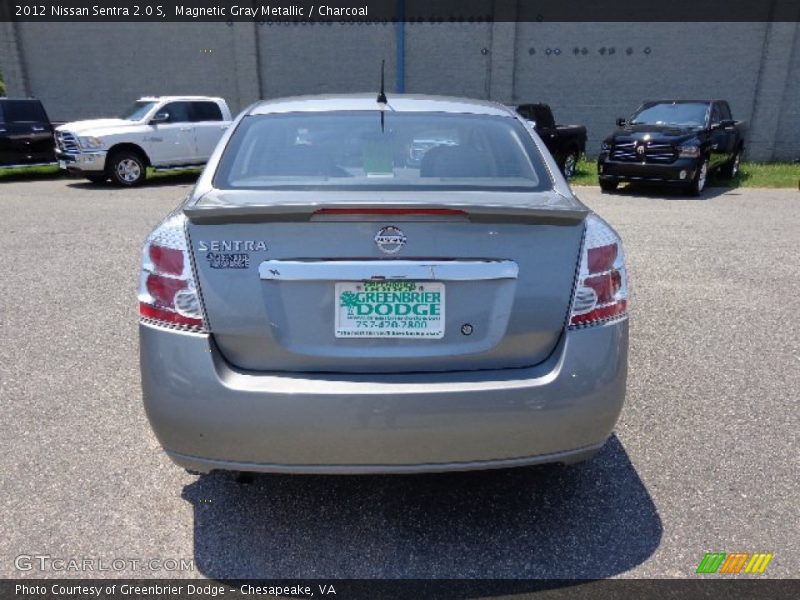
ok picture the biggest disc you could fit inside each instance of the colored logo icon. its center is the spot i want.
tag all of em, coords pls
(734, 563)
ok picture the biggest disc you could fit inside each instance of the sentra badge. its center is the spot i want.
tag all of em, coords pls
(232, 246)
(230, 254)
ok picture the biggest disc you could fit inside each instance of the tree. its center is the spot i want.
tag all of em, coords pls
(349, 300)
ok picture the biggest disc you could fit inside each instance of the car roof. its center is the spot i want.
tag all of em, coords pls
(673, 101)
(177, 98)
(395, 103)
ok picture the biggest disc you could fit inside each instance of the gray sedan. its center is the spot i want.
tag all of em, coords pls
(322, 304)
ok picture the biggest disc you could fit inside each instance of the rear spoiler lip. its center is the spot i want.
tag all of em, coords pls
(288, 213)
(551, 208)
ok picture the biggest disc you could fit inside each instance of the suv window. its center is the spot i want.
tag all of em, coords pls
(715, 114)
(671, 113)
(137, 111)
(206, 111)
(179, 112)
(538, 113)
(542, 116)
(724, 111)
(22, 111)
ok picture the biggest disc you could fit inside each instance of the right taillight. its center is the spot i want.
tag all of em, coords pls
(168, 295)
(601, 291)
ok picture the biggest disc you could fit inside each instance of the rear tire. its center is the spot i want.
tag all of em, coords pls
(244, 477)
(127, 168)
(698, 184)
(569, 164)
(608, 186)
(731, 168)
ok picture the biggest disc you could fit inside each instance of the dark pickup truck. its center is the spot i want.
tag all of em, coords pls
(676, 142)
(566, 142)
(26, 134)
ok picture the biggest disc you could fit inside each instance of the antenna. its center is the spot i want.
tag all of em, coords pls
(382, 94)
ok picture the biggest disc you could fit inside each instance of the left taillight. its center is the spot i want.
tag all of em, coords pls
(601, 289)
(168, 293)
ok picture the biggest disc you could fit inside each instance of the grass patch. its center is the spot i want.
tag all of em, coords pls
(23, 173)
(585, 173)
(767, 175)
(178, 176)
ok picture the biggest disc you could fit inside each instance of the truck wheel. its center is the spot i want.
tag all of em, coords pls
(731, 168)
(698, 184)
(569, 164)
(97, 177)
(127, 168)
(608, 186)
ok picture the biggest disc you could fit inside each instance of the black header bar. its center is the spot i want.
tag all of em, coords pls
(410, 11)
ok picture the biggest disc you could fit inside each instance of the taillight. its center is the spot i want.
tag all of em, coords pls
(601, 292)
(167, 291)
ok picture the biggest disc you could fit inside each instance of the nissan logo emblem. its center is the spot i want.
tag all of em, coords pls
(390, 239)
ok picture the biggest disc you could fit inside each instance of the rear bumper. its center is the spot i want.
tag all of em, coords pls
(609, 170)
(208, 415)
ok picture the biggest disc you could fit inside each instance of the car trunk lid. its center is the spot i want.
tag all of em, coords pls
(385, 281)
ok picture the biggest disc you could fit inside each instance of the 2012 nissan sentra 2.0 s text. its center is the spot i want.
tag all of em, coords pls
(357, 286)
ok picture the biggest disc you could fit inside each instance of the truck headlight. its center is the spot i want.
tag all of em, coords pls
(690, 151)
(605, 146)
(90, 142)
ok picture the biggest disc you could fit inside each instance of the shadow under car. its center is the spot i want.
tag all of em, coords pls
(588, 521)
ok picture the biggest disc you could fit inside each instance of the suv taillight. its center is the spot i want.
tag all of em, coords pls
(601, 291)
(167, 292)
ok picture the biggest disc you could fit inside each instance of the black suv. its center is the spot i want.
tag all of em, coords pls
(26, 134)
(566, 143)
(676, 142)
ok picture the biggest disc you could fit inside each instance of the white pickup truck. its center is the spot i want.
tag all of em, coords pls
(163, 132)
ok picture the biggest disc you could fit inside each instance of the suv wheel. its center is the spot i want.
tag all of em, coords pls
(569, 164)
(608, 186)
(698, 184)
(127, 168)
(731, 168)
(97, 177)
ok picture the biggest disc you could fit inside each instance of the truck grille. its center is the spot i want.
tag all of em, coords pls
(66, 141)
(653, 153)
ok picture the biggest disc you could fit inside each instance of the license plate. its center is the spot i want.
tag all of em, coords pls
(389, 309)
(62, 164)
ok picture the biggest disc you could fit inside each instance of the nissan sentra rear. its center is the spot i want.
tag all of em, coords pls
(356, 286)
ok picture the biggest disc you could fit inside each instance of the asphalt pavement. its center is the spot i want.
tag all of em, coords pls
(705, 456)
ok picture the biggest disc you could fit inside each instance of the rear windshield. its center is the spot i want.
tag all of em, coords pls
(691, 114)
(360, 149)
(22, 111)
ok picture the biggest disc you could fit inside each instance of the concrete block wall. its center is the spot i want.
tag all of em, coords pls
(787, 134)
(83, 70)
(11, 67)
(321, 58)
